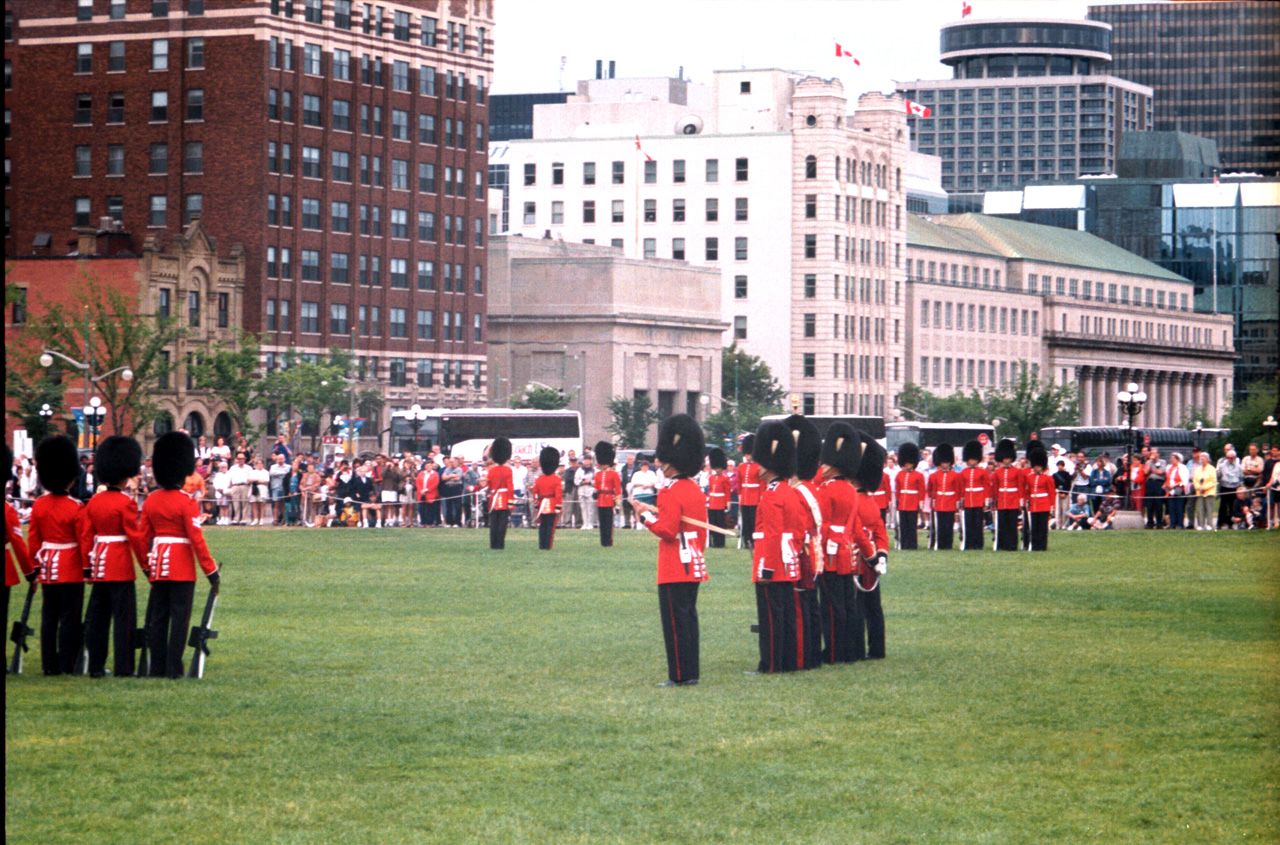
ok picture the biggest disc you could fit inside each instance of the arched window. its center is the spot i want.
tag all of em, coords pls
(163, 425)
(811, 167)
(194, 424)
(222, 426)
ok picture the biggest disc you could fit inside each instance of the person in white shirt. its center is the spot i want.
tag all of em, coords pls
(238, 483)
(585, 483)
(643, 488)
(259, 493)
(1057, 454)
(1177, 484)
(221, 483)
(220, 450)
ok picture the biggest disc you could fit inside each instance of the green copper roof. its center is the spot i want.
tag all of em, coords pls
(924, 232)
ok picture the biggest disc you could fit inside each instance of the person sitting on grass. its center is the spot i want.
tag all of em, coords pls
(1103, 519)
(1241, 511)
(1078, 514)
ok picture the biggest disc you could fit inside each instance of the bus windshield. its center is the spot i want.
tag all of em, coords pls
(929, 435)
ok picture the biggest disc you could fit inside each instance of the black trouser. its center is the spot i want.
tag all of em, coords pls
(433, 513)
(422, 512)
(836, 610)
(944, 530)
(1226, 498)
(111, 604)
(167, 626)
(1177, 511)
(61, 629)
(1039, 531)
(605, 519)
(1154, 500)
(776, 615)
(808, 628)
(1007, 530)
(716, 539)
(748, 526)
(546, 530)
(868, 622)
(678, 607)
(498, 528)
(907, 540)
(971, 529)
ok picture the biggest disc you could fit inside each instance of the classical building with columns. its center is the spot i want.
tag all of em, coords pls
(986, 294)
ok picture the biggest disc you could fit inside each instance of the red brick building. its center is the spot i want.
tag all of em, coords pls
(341, 143)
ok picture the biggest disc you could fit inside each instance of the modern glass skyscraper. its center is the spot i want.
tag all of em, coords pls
(1213, 67)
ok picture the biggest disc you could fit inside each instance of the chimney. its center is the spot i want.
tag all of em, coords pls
(86, 241)
(612, 64)
(599, 69)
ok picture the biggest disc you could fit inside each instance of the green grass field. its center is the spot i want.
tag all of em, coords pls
(387, 686)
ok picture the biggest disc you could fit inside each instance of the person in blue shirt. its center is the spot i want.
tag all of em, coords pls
(1099, 483)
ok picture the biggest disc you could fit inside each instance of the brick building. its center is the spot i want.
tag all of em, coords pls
(342, 144)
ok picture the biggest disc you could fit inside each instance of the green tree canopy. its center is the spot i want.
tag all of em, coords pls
(540, 397)
(631, 419)
(1026, 404)
(749, 392)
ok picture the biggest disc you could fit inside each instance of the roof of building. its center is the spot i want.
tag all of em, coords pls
(1053, 245)
(923, 232)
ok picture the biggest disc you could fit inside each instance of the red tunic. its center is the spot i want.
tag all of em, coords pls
(549, 487)
(171, 522)
(15, 548)
(718, 491)
(750, 490)
(779, 528)
(975, 487)
(944, 490)
(501, 487)
(841, 526)
(1041, 492)
(910, 493)
(608, 487)
(810, 562)
(1010, 487)
(681, 544)
(53, 539)
(883, 492)
(873, 533)
(111, 536)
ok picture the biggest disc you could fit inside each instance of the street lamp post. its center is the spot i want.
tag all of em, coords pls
(100, 412)
(1270, 425)
(94, 414)
(1131, 399)
(417, 416)
(46, 418)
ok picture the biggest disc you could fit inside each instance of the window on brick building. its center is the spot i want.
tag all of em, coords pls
(160, 54)
(159, 106)
(195, 104)
(83, 113)
(159, 210)
(195, 53)
(193, 161)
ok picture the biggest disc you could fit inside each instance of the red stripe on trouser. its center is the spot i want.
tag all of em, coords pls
(675, 641)
(799, 630)
(769, 610)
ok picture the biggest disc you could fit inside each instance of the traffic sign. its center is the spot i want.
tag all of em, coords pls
(983, 439)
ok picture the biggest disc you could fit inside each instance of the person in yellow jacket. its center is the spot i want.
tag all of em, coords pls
(1204, 479)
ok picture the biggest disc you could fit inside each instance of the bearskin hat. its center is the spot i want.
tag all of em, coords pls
(909, 454)
(606, 454)
(57, 463)
(972, 451)
(680, 444)
(500, 451)
(748, 445)
(118, 459)
(8, 464)
(870, 472)
(1037, 455)
(808, 446)
(842, 449)
(172, 459)
(1006, 450)
(717, 458)
(775, 449)
(945, 453)
(549, 460)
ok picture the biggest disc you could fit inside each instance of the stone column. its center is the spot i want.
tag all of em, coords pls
(1110, 388)
(1100, 399)
(1085, 394)
(1165, 387)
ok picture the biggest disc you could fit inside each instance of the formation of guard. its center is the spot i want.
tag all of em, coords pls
(870, 563)
(775, 547)
(842, 531)
(910, 495)
(975, 497)
(53, 538)
(808, 624)
(1010, 485)
(1041, 493)
(943, 492)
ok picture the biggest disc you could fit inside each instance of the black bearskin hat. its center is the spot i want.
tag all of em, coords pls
(549, 460)
(842, 449)
(909, 455)
(8, 464)
(1037, 455)
(775, 449)
(1006, 450)
(972, 451)
(172, 459)
(717, 458)
(118, 459)
(748, 445)
(680, 444)
(57, 463)
(870, 472)
(605, 453)
(945, 453)
(808, 446)
(500, 451)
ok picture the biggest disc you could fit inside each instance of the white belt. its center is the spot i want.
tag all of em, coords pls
(974, 489)
(759, 535)
(182, 541)
(59, 547)
(750, 485)
(1008, 489)
(1039, 495)
(837, 529)
(109, 538)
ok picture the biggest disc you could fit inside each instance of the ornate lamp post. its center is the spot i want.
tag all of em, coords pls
(417, 416)
(1131, 399)
(94, 414)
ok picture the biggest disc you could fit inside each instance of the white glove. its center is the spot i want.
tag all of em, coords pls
(882, 563)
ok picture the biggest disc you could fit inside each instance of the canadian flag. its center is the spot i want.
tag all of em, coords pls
(965, 10)
(914, 108)
(842, 53)
(647, 157)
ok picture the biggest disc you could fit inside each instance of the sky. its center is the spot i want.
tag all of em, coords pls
(892, 40)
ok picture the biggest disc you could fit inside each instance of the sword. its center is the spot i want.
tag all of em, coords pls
(21, 631)
(143, 667)
(200, 636)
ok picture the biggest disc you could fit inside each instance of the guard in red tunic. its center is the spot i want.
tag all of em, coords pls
(841, 528)
(719, 490)
(808, 619)
(681, 566)
(112, 539)
(171, 522)
(975, 497)
(501, 489)
(16, 558)
(1040, 496)
(548, 493)
(868, 618)
(909, 495)
(943, 489)
(1010, 485)
(608, 489)
(54, 542)
(882, 495)
(750, 489)
(775, 550)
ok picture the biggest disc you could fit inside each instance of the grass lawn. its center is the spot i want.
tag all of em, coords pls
(388, 686)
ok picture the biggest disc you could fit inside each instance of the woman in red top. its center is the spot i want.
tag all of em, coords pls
(54, 542)
(15, 548)
(171, 522)
(548, 493)
(608, 489)
(719, 489)
(681, 566)
(500, 486)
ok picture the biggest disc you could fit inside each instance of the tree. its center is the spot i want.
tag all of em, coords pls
(631, 420)
(310, 390)
(959, 408)
(231, 373)
(747, 381)
(1194, 416)
(30, 396)
(916, 402)
(540, 397)
(1245, 419)
(1030, 403)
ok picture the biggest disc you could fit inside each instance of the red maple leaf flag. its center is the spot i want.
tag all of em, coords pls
(842, 53)
(917, 110)
(965, 9)
(647, 157)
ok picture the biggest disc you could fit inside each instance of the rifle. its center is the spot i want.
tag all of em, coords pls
(143, 667)
(21, 631)
(200, 636)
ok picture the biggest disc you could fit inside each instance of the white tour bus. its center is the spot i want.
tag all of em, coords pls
(927, 435)
(466, 432)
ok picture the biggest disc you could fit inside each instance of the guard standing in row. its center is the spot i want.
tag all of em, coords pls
(681, 565)
(975, 494)
(868, 618)
(808, 619)
(719, 489)
(1010, 484)
(775, 548)
(501, 489)
(910, 495)
(16, 558)
(1040, 496)
(549, 496)
(944, 494)
(750, 490)
(841, 529)
(112, 540)
(608, 489)
(54, 542)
